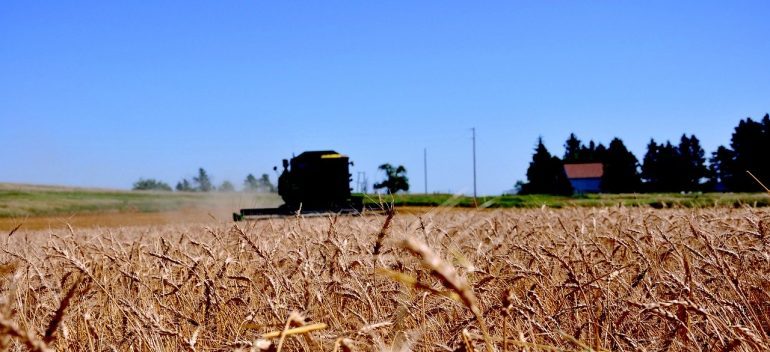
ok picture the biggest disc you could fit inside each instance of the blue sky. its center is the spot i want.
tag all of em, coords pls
(103, 93)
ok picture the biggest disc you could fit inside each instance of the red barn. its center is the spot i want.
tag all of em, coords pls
(586, 177)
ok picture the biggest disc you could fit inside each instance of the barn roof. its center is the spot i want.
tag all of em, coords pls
(587, 170)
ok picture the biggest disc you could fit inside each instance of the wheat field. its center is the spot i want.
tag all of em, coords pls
(578, 279)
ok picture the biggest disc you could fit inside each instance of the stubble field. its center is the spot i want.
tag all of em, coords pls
(626, 279)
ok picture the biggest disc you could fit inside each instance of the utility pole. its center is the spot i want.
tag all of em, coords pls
(358, 181)
(425, 165)
(474, 165)
(361, 182)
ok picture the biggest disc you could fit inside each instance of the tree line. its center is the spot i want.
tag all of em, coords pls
(666, 167)
(202, 183)
(395, 181)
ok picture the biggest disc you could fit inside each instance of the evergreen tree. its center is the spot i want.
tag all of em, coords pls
(667, 169)
(721, 168)
(261, 184)
(265, 185)
(250, 183)
(592, 153)
(662, 168)
(203, 181)
(650, 166)
(598, 155)
(573, 150)
(670, 168)
(184, 186)
(749, 144)
(693, 163)
(751, 147)
(587, 153)
(546, 174)
(671, 178)
(621, 174)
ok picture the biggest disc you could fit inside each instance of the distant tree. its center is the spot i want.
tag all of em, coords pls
(517, 187)
(184, 186)
(573, 150)
(662, 168)
(250, 183)
(588, 153)
(265, 185)
(598, 154)
(576, 152)
(395, 179)
(671, 177)
(650, 166)
(749, 144)
(226, 186)
(261, 184)
(546, 174)
(621, 173)
(592, 153)
(203, 181)
(721, 168)
(151, 185)
(692, 163)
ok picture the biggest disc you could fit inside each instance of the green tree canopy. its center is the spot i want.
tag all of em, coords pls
(661, 169)
(721, 167)
(748, 151)
(621, 169)
(203, 181)
(650, 165)
(265, 184)
(395, 179)
(546, 174)
(693, 163)
(261, 184)
(151, 185)
(184, 186)
(250, 183)
(226, 186)
(573, 150)
(675, 168)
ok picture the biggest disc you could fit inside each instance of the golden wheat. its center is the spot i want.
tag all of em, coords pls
(620, 279)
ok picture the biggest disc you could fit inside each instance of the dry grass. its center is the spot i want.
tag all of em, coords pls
(536, 280)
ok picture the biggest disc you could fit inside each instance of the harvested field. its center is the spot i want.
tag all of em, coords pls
(119, 219)
(623, 279)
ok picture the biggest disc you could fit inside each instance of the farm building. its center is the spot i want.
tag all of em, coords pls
(586, 177)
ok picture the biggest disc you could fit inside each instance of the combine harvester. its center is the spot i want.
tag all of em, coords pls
(313, 183)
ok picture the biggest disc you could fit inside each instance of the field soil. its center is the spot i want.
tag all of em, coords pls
(29, 201)
(116, 219)
(620, 279)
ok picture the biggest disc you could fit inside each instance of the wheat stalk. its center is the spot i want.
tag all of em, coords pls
(447, 274)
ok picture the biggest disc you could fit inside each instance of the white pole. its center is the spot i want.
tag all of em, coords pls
(474, 164)
(425, 166)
